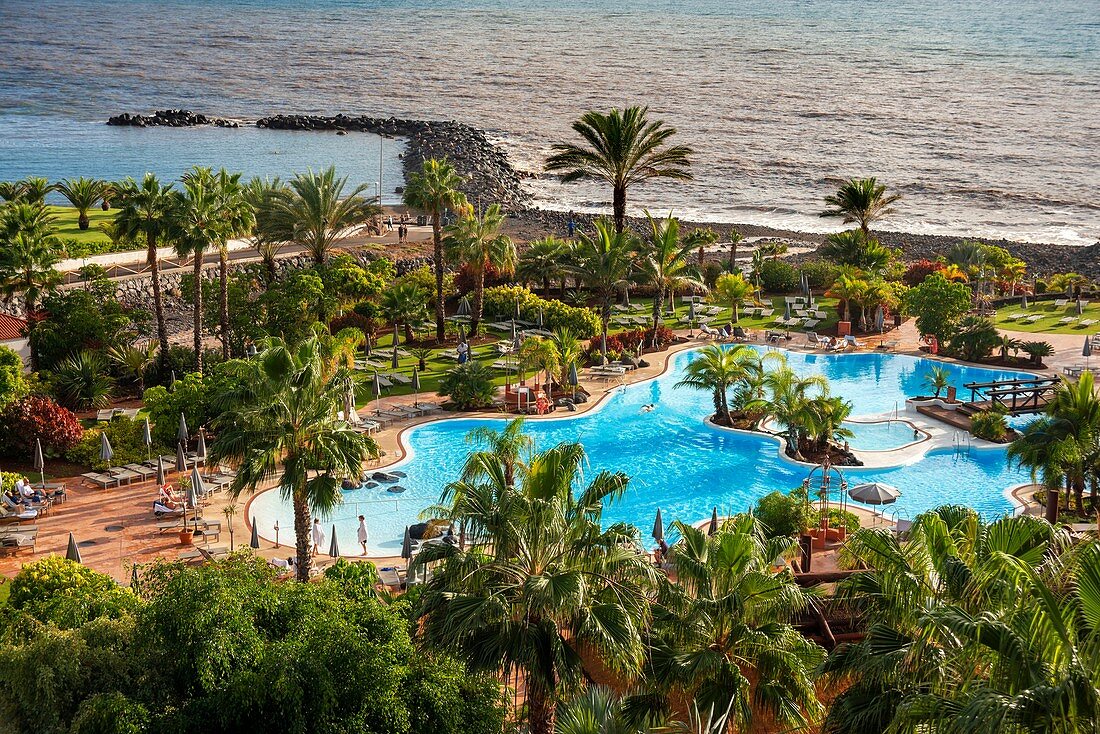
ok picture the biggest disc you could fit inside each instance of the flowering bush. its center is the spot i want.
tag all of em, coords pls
(68, 594)
(500, 303)
(627, 342)
(918, 271)
(37, 417)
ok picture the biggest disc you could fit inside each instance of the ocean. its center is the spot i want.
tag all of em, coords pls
(984, 116)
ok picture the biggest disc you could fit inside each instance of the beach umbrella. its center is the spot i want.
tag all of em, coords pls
(181, 458)
(72, 553)
(1086, 351)
(172, 382)
(377, 387)
(350, 414)
(713, 522)
(334, 547)
(406, 545)
(880, 318)
(39, 460)
(463, 307)
(367, 346)
(106, 453)
(133, 577)
(202, 445)
(573, 380)
(787, 312)
(874, 493)
(514, 335)
(658, 527)
(161, 479)
(393, 360)
(198, 489)
(461, 332)
(416, 386)
(810, 296)
(691, 310)
(603, 347)
(1080, 307)
(540, 317)
(1023, 301)
(147, 437)
(255, 541)
(182, 435)
(517, 342)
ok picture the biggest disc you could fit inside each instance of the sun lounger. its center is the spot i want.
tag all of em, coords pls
(123, 474)
(888, 346)
(427, 408)
(1015, 316)
(811, 323)
(1033, 318)
(19, 530)
(852, 341)
(23, 515)
(399, 378)
(102, 416)
(142, 469)
(1066, 320)
(206, 554)
(103, 481)
(1061, 303)
(812, 338)
(1085, 323)
(1073, 371)
(706, 331)
(820, 315)
(14, 543)
(391, 414)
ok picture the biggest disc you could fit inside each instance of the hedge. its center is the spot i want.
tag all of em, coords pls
(500, 305)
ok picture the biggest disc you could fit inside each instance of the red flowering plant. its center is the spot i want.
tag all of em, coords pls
(38, 417)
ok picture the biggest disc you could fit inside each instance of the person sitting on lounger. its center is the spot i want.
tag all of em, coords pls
(167, 497)
(160, 509)
(28, 493)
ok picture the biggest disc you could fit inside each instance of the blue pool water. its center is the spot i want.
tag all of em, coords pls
(880, 436)
(677, 462)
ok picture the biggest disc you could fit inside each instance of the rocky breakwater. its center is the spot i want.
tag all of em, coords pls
(170, 118)
(488, 175)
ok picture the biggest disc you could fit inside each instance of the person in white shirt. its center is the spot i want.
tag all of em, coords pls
(318, 536)
(363, 533)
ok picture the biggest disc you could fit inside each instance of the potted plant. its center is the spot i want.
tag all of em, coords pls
(187, 534)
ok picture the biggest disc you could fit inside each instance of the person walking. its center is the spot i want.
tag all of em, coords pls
(571, 225)
(318, 536)
(362, 534)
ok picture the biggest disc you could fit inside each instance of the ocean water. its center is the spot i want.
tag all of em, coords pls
(677, 462)
(983, 115)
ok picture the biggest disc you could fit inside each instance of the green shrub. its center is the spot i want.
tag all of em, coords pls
(843, 518)
(127, 437)
(821, 274)
(13, 382)
(500, 304)
(784, 514)
(778, 276)
(110, 713)
(81, 381)
(469, 386)
(937, 304)
(195, 396)
(990, 425)
(354, 579)
(975, 339)
(67, 594)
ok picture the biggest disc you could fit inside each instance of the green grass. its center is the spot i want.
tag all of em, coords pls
(68, 229)
(1048, 324)
(485, 353)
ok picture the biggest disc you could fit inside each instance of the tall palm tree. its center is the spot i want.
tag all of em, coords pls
(313, 212)
(666, 263)
(281, 425)
(540, 354)
(735, 240)
(28, 253)
(716, 370)
(30, 190)
(722, 634)
(83, 194)
(604, 263)
(545, 583)
(261, 194)
(477, 243)
(542, 261)
(622, 148)
(862, 201)
(238, 217)
(731, 289)
(147, 213)
(846, 288)
(433, 190)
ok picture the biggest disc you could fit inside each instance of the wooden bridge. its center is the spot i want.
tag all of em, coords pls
(1013, 397)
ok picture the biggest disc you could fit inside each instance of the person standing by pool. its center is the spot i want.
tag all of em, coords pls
(362, 534)
(318, 535)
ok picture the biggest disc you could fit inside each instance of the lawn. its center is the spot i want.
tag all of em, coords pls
(1052, 319)
(486, 353)
(68, 229)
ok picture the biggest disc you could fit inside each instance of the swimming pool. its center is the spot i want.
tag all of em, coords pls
(676, 461)
(882, 435)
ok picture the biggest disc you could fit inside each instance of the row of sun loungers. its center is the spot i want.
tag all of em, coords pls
(110, 413)
(390, 413)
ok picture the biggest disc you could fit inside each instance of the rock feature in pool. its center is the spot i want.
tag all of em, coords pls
(385, 477)
(395, 489)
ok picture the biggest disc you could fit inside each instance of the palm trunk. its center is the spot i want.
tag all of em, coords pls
(605, 317)
(408, 332)
(32, 323)
(540, 709)
(546, 285)
(733, 255)
(658, 304)
(619, 207)
(158, 300)
(82, 219)
(198, 311)
(736, 318)
(223, 278)
(302, 536)
(479, 302)
(437, 242)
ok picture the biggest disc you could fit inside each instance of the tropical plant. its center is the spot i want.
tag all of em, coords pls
(36, 417)
(777, 276)
(604, 264)
(1009, 344)
(621, 148)
(716, 370)
(861, 201)
(404, 304)
(134, 360)
(723, 633)
(599, 711)
(730, 290)
(735, 239)
(542, 261)
(851, 247)
(314, 212)
(13, 383)
(975, 338)
(545, 582)
(937, 379)
(147, 213)
(569, 349)
(434, 189)
(261, 194)
(937, 304)
(1065, 282)
(82, 382)
(540, 354)
(989, 424)
(280, 424)
(237, 218)
(31, 190)
(790, 403)
(28, 253)
(665, 262)
(846, 289)
(824, 421)
(83, 194)
(477, 243)
(469, 386)
(1036, 350)
(506, 450)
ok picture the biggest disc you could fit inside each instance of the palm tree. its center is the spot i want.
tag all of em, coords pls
(545, 584)
(541, 354)
(846, 288)
(937, 378)
(477, 243)
(852, 247)
(542, 261)
(825, 418)
(735, 240)
(30, 190)
(237, 217)
(722, 634)
(621, 148)
(147, 214)
(280, 425)
(82, 382)
(789, 403)
(505, 450)
(599, 711)
(715, 370)
(313, 212)
(605, 264)
(28, 253)
(261, 194)
(196, 229)
(135, 360)
(666, 263)
(433, 190)
(974, 627)
(569, 349)
(731, 289)
(862, 201)
(83, 194)
(403, 303)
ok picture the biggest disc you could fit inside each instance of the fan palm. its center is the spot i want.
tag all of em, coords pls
(735, 240)
(604, 263)
(28, 253)
(477, 243)
(862, 201)
(135, 360)
(599, 711)
(542, 261)
(666, 263)
(82, 382)
(506, 449)
(147, 213)
(546, 582)
(722, 634)
(280, 424)
(622, 148)
(83, 194)
(434, 189)
(314, 212)
(937, 378)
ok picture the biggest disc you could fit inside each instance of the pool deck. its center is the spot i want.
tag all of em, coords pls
(116, 529)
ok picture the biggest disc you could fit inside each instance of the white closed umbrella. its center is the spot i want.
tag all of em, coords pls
(106, 453)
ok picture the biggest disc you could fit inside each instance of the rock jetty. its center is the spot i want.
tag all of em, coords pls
(170, 118)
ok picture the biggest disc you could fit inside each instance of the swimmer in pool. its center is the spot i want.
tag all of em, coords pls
(648, 407)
